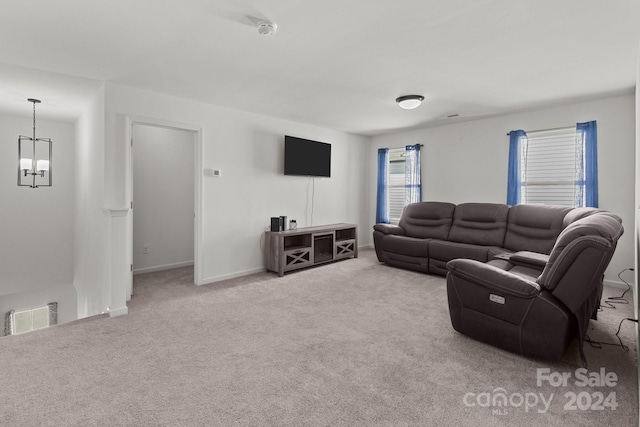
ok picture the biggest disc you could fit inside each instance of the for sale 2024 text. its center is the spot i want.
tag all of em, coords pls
(583, 400)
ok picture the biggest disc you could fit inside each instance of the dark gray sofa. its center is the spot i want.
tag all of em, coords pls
(526, 278)
(430, 234)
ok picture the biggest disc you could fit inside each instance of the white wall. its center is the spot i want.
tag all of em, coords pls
(163, 193)
(248, 148)
(467, 161)
(91, 244)
(636, 297)
(36, 225)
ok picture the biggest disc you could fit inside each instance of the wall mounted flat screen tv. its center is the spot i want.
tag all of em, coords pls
(306, 158)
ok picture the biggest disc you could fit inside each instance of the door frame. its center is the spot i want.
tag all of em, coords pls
(131, 121)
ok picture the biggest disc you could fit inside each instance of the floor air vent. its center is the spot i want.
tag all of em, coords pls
(17, 322)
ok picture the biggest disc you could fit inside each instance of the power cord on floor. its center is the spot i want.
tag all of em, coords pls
(609, 302)
(597, 344)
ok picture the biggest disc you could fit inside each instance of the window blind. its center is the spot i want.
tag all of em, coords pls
(552, 167)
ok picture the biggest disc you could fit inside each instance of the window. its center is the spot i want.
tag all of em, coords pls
(399, 182)
(555, 167)
(396, 183)
(550, 168)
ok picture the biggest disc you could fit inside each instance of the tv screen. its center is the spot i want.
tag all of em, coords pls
(307, 158)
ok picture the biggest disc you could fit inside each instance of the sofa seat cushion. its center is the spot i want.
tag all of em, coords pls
(479, 224)
(403, 245)
(443, 250)
(427, 220)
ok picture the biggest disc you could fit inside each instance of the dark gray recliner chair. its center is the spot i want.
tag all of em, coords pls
(535, 304)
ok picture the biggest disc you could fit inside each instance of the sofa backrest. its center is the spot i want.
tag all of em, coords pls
(427, 219)
(534, 227)
(479, 224)
(580, 256)
(578, 213)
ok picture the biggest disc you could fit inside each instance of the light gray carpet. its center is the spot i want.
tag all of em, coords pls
(353, 343)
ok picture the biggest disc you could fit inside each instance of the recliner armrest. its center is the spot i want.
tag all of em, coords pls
(529, 259)
(493, 278)
(389, 229)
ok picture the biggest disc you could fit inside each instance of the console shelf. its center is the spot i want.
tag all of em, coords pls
(305, 247)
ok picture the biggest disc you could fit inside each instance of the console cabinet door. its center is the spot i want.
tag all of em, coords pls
(345, 248)
(298, 258)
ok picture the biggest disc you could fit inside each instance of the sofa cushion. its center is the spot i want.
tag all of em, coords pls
(578, 213)
(479, 224)
(446, 251)
(534, 227)
(427, 219)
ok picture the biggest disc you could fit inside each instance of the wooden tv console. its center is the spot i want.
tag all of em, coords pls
(305, 247)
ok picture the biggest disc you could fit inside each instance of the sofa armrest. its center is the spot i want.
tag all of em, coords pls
(389, 229)
(493, 278)
(529, 259)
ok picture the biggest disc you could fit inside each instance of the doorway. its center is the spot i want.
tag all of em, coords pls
(162, 225)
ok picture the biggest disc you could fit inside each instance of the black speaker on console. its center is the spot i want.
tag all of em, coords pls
(276, 223)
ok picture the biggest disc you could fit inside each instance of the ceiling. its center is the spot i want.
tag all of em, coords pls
(334, 63)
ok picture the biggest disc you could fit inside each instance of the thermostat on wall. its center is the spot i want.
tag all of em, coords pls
(212, 173)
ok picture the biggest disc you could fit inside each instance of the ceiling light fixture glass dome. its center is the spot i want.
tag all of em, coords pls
(409, 102)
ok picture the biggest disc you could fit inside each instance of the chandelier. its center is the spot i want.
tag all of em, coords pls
(34, 157)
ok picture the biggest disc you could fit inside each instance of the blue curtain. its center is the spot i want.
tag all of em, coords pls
(382, 203)
(513, 177)
(588, 132)
(412, 178)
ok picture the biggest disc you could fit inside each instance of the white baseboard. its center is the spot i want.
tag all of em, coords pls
(616, 284)
(222, 277)
(162, 267)
(119, 311)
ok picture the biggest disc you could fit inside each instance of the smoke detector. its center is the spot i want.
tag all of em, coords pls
(267, 28)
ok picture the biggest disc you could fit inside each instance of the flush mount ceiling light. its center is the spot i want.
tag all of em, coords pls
(409, 102)
(267, 28)
(34, 158)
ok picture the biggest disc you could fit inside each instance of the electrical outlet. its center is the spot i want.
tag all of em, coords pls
(145, 249)
(212, 173)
